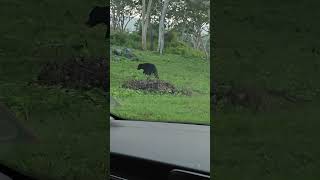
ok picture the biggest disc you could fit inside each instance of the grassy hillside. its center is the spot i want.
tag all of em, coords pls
(190, 74)
(268, 44)
(72, 130)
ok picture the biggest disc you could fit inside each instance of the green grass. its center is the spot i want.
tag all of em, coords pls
(73, 131)
(185, 73)
(280, 143)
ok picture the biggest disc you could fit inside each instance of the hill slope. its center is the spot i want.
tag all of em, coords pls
(186, 74)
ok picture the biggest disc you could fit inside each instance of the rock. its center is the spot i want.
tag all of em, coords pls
(128, 53)
(117, 52)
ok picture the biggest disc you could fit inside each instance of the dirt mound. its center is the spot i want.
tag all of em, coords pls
(255, 98)
(154, 86)
(77, 73)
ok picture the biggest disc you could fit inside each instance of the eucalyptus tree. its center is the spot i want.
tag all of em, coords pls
(161, 26)
(122, 12)
(145, 20)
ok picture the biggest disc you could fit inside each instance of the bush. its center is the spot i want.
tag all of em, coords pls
(131, 40)
(171, 37)
(134, 40)
(183, 49)
(172, 44)
(118, 38)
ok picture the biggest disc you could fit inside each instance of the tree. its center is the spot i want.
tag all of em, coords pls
(161, 26)
(198, 22)
(122, 12)
(190, 18)
(145, 19)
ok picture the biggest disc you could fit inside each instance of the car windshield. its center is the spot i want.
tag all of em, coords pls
(160, 60)
(53, 122)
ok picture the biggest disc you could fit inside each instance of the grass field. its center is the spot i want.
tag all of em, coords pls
(185, 73)
(267, 44)
(73, 131)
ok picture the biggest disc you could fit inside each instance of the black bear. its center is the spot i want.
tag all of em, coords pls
(99, 15)
(149, 69)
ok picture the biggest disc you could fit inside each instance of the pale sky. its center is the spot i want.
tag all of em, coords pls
(131, 27)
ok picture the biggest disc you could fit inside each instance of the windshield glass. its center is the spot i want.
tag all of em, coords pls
(160, 60)
(53, 122)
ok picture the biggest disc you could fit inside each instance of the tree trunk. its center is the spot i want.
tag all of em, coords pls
(204, 48)
(197, 38)
(114, 21)
(161, 26)
(151, 40)
(121, 22)
(145, 22)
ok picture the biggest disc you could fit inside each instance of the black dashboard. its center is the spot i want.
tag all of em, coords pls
(131, 168)
(152, 150)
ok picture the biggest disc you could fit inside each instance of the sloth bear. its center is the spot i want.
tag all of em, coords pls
(148, 69)
(98, 15)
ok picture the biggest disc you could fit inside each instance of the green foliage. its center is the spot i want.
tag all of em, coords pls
(172, 43)
(134, 40)
(174, 46)
(171, 37)
(131, 40)
(181, 48)
(118, 38)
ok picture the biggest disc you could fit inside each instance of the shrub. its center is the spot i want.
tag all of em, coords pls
(118, 38)
(131, 40)
(181, 48)
(134, 40)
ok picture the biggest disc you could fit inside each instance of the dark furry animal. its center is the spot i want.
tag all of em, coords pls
(149, 69)
(98, 15)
